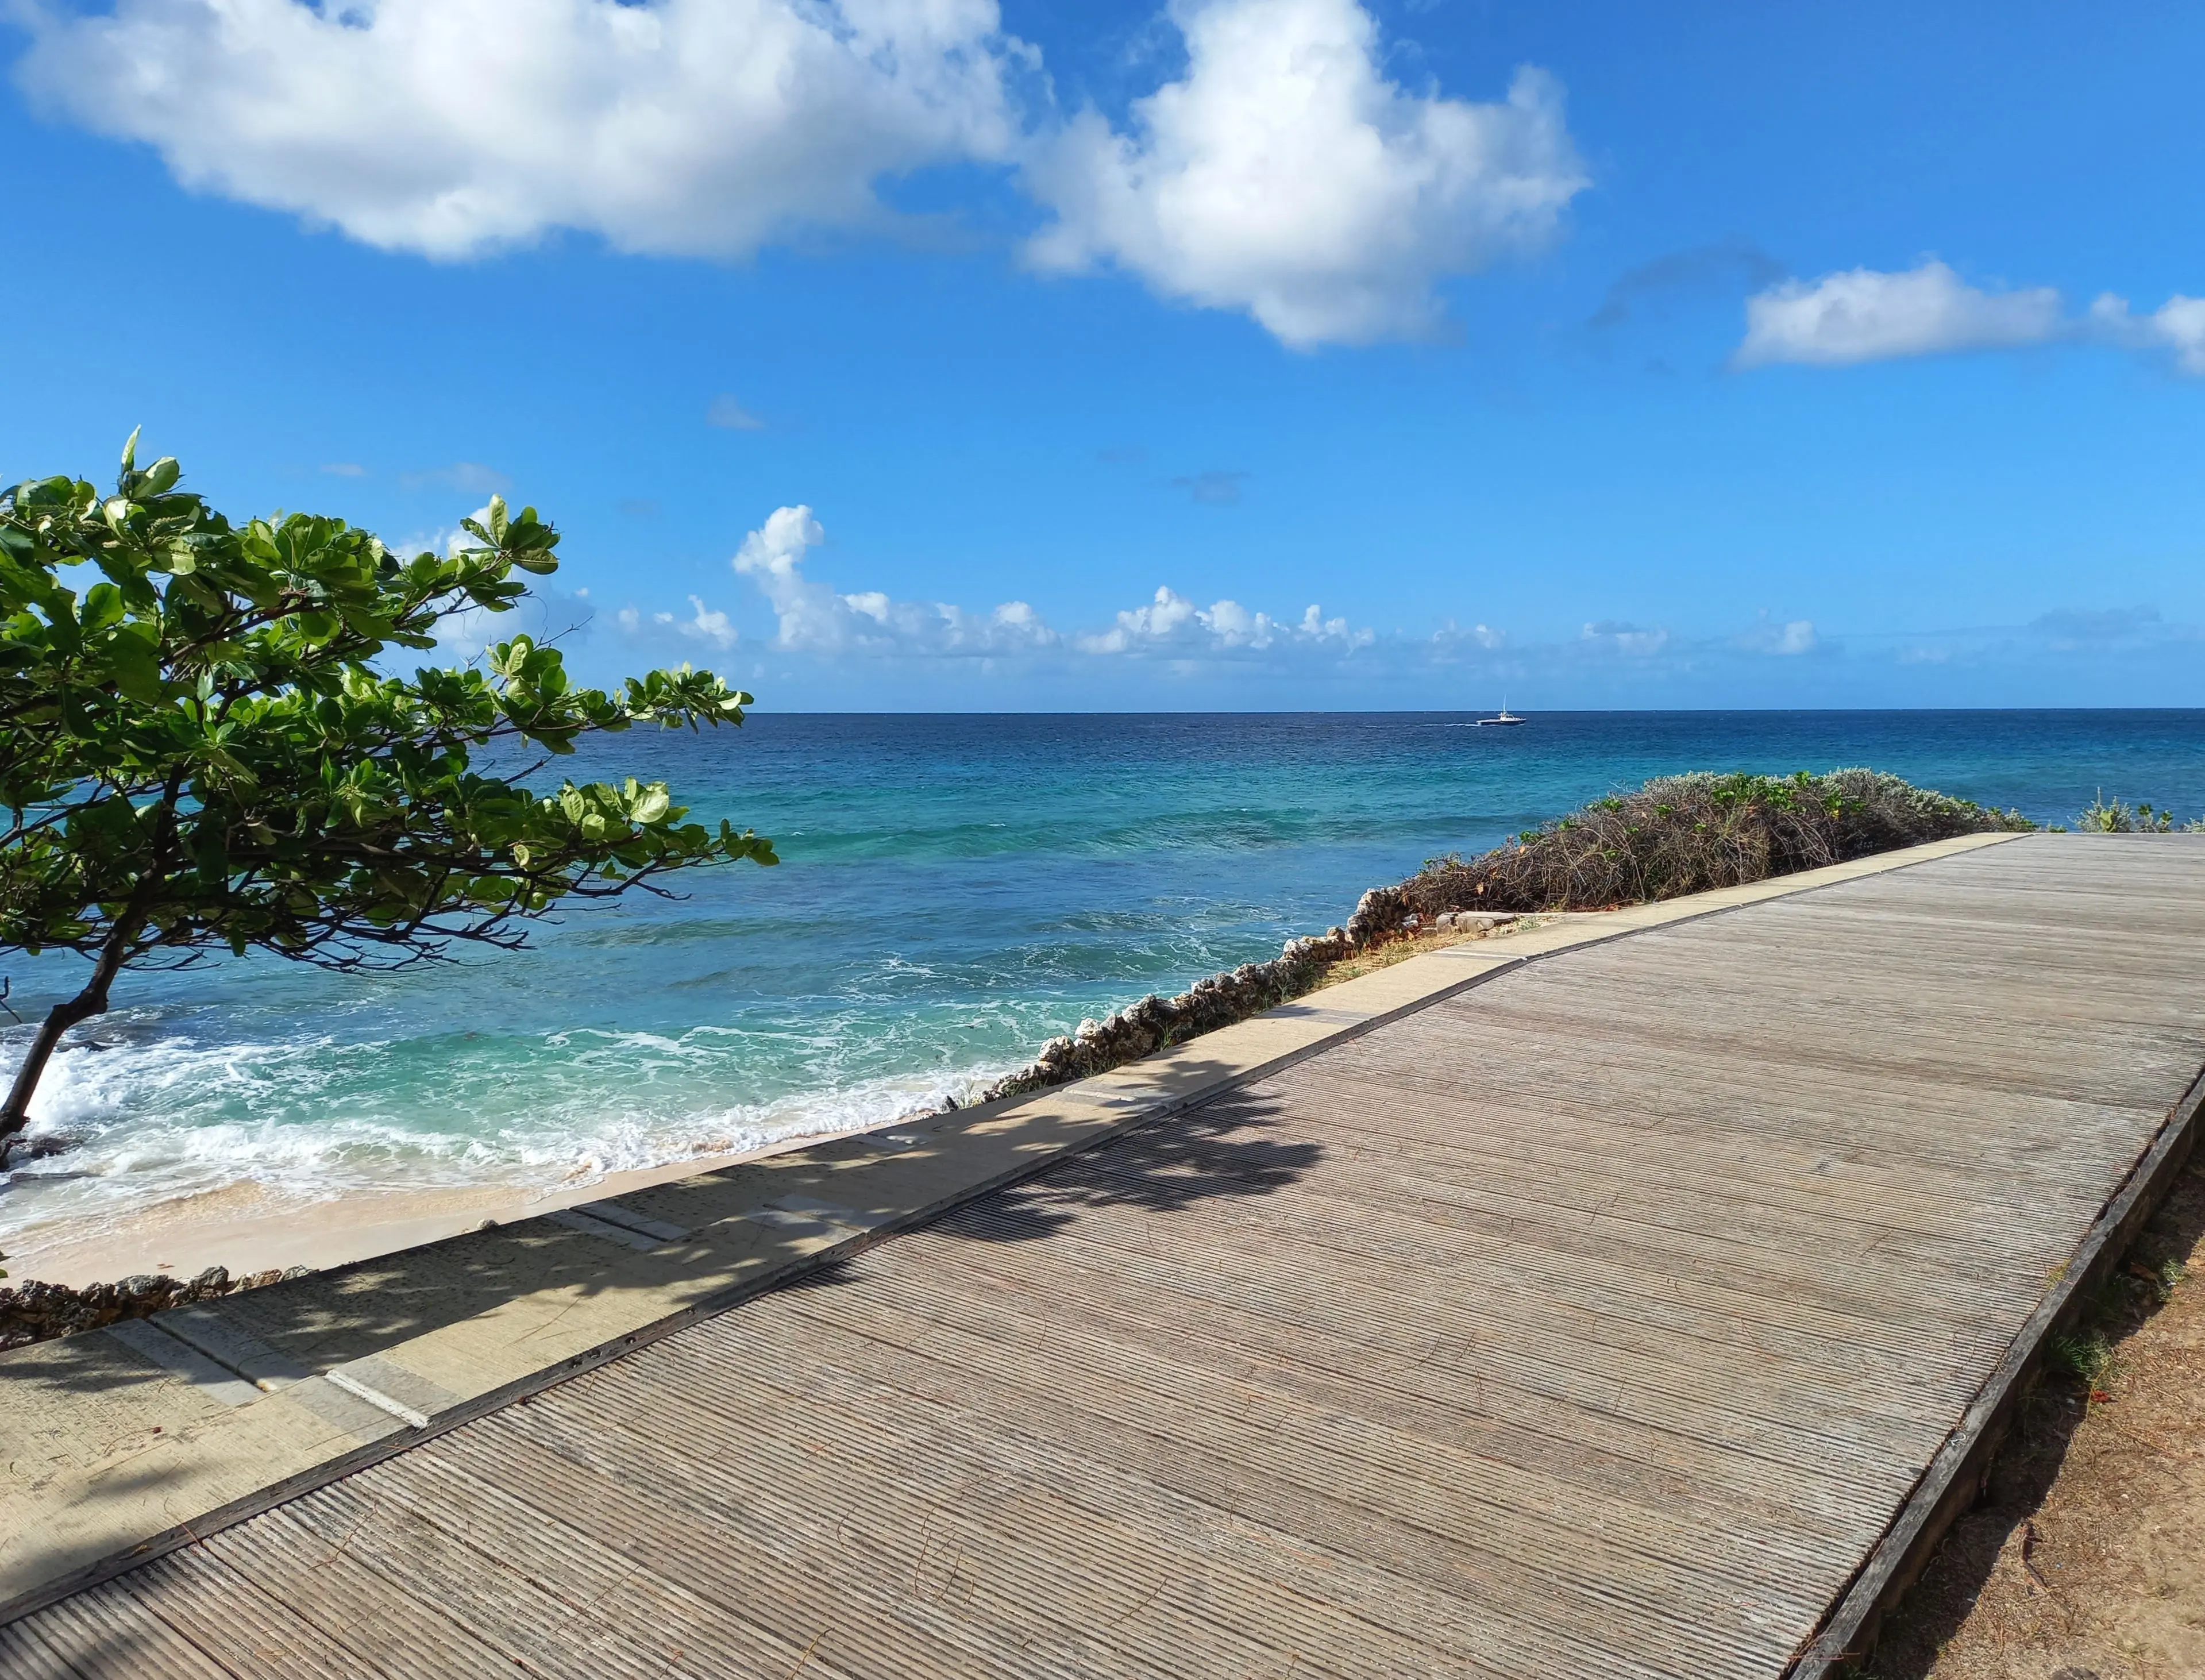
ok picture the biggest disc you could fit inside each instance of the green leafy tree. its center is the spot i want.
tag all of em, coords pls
(201, 749)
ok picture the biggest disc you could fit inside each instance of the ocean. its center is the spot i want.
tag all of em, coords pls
(954, 891)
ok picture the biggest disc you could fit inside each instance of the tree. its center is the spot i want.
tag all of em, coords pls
(203, 751)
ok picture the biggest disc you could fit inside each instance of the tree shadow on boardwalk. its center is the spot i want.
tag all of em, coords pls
(1226, 1149)
(1940, 1605)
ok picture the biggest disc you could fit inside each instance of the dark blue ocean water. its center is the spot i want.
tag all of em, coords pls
(955, 890)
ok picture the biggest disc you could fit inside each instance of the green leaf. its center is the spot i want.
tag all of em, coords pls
(227, 764)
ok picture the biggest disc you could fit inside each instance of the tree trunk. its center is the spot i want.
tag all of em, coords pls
(121, 933)
(15, 1114)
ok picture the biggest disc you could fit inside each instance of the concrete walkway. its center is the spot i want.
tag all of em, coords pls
(1632, 1298)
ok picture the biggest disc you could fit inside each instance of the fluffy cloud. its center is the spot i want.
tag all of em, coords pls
(1285, 175)
(1862, 315)
(2177, 327)
(1173, 624)
(1866, 315)
(450, 127)
(713, 627)
(816, 618)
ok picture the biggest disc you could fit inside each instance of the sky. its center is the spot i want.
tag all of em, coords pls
(953, 355)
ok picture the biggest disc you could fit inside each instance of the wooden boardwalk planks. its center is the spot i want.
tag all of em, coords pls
(1596, 1322)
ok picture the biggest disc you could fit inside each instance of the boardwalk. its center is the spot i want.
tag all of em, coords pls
(1598, 1322)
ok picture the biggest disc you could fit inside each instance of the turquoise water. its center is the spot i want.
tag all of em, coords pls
(955, 890)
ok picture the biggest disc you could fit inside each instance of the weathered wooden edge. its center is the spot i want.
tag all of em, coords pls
(1146, 1114)
(1956, 1475)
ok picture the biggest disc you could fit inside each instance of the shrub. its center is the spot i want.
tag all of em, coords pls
(1688, 834)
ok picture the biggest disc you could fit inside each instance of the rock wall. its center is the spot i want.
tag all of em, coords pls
(34, 1311)
(1219, 1001)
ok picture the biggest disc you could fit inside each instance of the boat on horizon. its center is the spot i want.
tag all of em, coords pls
(1507, 719)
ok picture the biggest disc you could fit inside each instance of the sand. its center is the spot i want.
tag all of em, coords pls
(249, 1228)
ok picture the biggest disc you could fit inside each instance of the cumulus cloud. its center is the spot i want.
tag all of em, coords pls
(1172, 623)
(2177, 327)
(1285, 175)
(814, 617)
(1865, 315)
(712, 627)
(452, 126)
(1479, 637)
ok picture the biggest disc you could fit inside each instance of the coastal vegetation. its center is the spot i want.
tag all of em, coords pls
(1691, 833)
(2113, 817)
(202, 749)
(1675, 835)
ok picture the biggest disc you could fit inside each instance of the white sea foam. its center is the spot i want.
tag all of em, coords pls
(162, 1114)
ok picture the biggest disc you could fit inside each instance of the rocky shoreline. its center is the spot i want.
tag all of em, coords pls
(1382, 915)
(35, 1312)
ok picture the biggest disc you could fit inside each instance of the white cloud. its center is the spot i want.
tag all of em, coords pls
(1481, 637)
(1285, 175)
(1172, 623)
(711, 626)
(1865, 315)
(2177, 327)
(816, 618)
(451, 127)
(345, 469)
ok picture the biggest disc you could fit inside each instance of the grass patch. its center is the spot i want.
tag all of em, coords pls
(2085, 1355)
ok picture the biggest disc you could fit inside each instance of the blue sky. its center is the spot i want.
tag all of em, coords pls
(1584, 354)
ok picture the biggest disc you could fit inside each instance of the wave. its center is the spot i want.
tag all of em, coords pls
(149, 1116)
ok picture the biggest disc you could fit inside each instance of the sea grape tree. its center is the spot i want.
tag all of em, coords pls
(204, 747)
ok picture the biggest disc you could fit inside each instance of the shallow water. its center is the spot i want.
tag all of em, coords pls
(955, 890)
